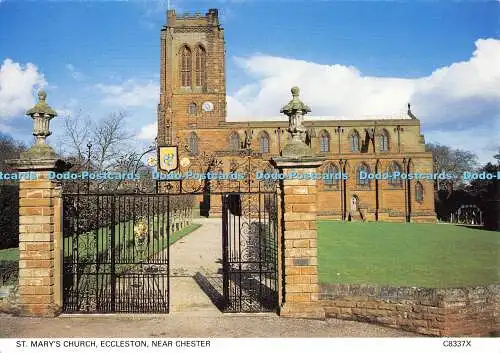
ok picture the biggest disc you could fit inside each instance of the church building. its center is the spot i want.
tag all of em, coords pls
(192, 115)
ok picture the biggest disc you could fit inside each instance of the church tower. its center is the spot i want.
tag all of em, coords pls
(192, 74)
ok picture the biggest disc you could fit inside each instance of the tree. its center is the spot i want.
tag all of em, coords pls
(77, 130)
(497, 156)
(111, 148)
(450, 160)
(111, 142)
(9, 194)
(9, 149)
(485, 188)
(488, 192)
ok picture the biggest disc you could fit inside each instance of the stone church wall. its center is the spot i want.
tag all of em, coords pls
(469, 311)
(182, 120)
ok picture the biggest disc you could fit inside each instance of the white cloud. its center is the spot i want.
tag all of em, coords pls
(148, 132)
(17, 83)
(480, 140)
(130, 94)
(77, 75)
(337, 90)
(331, 90)
(453, 102)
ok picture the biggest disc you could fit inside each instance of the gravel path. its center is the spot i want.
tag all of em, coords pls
(199, 251)
(189, 325)
(194, 259)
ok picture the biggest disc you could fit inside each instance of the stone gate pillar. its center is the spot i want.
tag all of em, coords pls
(299, 277)
(298, 241)
(40, 221)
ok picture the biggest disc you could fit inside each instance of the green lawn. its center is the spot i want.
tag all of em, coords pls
(124, 237)
(11, 254)
(124, 241)
(421, 255)
(157, 245)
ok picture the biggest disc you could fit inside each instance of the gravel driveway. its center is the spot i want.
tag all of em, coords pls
(195, 259)
(196, 324)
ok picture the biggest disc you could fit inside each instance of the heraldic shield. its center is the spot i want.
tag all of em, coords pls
(167, 158)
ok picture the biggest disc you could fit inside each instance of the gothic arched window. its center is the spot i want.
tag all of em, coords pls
(383, 141)
(185, 66)
(419, 192)
(193, 144)
(324, 142)
(395, 180)
(192, 109)
(362, 175)
(354, 141)
(234, 141)
(331, 172)
(264, 142)
(200, 66)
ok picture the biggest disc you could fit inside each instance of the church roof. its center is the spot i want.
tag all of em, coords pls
(319, 121)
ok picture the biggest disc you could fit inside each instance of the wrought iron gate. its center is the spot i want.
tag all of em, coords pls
(116, 254)
(249, 251)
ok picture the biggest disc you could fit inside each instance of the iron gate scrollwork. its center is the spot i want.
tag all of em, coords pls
(116, 245)
(246, 165)
(116, 256)
(249, 251)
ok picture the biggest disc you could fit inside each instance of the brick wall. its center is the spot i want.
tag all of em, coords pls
(39, 257)
(298, 245)
(470, 311)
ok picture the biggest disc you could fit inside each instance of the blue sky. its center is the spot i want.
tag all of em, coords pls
(96, 55)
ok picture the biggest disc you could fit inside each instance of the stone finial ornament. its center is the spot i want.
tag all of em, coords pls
(41, 114)
(295, 110)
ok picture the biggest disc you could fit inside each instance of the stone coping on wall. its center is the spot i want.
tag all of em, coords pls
(467, 311)
(9, 299)
(39, 164)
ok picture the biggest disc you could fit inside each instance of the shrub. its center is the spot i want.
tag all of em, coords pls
(9, 271)
(9, 216)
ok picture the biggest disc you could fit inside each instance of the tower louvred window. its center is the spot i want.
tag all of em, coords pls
(186, 66)
(200, 67)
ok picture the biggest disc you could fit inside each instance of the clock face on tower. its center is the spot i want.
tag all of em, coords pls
(207, 106)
